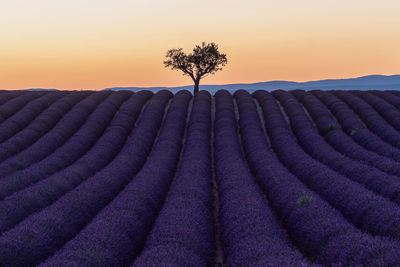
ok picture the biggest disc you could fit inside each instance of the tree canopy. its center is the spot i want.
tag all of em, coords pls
(204, 60)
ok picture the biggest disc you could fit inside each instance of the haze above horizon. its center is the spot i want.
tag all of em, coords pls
(82, 44)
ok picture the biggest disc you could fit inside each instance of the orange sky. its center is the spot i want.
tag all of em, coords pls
(87, 44)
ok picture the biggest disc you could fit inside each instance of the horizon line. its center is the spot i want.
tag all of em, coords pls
(213, 84)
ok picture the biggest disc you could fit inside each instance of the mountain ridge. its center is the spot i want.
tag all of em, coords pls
(368, 82)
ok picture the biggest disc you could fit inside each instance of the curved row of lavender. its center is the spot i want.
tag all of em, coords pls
(361, 207)
(352, 125)
(73, 149)
(57, 136)
(316, 228)
(183, 233)
(371, 117)
(41, 124)
(251, 235)
(287, 178)
(339, 140)
(315, 145)
(126, 220)
(24, 202)
(42, 233)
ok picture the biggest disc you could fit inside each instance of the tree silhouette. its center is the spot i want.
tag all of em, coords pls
(205, 60)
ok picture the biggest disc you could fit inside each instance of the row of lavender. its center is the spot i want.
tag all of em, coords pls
(82, 183)
(22, 203)
(47, 231)
(317, 229)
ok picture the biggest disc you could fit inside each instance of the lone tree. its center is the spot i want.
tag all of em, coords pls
(205, 60)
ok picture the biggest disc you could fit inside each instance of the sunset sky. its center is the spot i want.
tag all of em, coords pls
(94, 44)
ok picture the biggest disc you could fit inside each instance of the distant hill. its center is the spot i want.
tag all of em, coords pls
(370, 82)
(40, 89)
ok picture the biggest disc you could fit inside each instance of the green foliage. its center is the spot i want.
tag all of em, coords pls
(304, 200)
(332, 126)
(355, 129)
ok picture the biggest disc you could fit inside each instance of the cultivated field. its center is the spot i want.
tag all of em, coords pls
(265, 179)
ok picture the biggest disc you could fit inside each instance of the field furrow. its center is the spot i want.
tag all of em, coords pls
(128, 218)
(16, 103)
(355, 128)
(372, 119)
(8, 95)
(48, 143)
(122, 178)
(44, 232)
(251, 234)
(311, 223)
(183, 233)
(23, 203)
(68, 153)
(316, 146)
(43, 123)
(366, 210)
(330, 129)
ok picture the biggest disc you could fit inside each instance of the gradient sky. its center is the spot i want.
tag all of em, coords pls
(82, 44)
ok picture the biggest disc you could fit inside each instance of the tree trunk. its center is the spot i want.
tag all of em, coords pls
(196, 87)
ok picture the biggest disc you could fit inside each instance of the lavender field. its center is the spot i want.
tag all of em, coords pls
(281, 178)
